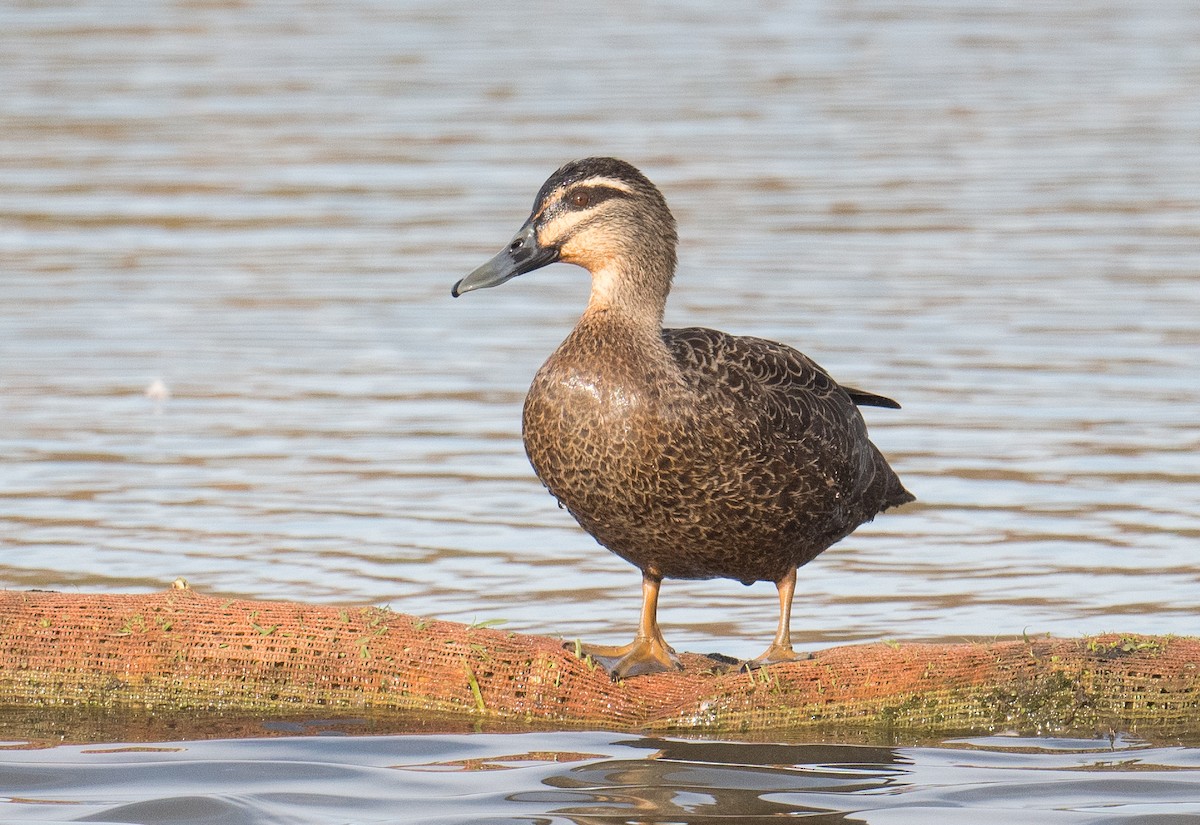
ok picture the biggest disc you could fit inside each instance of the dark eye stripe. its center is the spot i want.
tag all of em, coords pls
(586, 197)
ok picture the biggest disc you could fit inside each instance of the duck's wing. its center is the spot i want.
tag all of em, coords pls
(785, 400)
(787, 376)
(790, 403)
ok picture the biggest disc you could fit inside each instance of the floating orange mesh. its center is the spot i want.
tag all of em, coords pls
(180, 650)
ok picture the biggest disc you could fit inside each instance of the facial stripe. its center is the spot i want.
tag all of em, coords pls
(602, 188)
(557, 227)
(608, 183)
(589, 196)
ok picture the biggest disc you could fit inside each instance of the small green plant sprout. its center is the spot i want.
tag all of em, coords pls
(487, 623)
(474, 684)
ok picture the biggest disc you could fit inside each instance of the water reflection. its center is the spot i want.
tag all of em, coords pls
(694, 781)
(585, 777)
(1050, 780)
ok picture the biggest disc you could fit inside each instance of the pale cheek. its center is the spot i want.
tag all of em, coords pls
(573, 253)
(592, 256)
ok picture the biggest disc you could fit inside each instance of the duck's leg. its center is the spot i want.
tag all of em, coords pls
(781, 648)
(648, 652)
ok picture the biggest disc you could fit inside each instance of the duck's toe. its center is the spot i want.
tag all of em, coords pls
(640, 657)
(775, 654)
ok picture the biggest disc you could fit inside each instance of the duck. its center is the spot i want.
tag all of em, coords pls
(690, 453)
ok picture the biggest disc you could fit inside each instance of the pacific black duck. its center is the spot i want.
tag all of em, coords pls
(690, 453)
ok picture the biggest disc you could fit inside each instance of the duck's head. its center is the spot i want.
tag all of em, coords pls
(601, 214)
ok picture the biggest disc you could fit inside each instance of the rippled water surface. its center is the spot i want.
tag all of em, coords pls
(263, 206)
(990, 212)
(552, 778)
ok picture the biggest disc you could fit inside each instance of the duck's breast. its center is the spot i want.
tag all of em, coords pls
(593, 424)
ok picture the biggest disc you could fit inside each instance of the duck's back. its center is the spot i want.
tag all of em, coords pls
(716, 456)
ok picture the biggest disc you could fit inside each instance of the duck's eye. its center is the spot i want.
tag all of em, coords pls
(580, 199)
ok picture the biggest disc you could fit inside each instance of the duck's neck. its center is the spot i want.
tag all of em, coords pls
(635, 292)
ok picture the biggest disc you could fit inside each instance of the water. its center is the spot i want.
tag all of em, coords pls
(597, 777)
(263, 207)
(989, 212)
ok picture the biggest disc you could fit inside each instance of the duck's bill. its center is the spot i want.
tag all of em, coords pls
(523, 254)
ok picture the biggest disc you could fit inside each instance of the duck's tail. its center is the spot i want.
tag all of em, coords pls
(862, 398)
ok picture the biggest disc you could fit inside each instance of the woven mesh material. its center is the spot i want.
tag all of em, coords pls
(181, 650)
